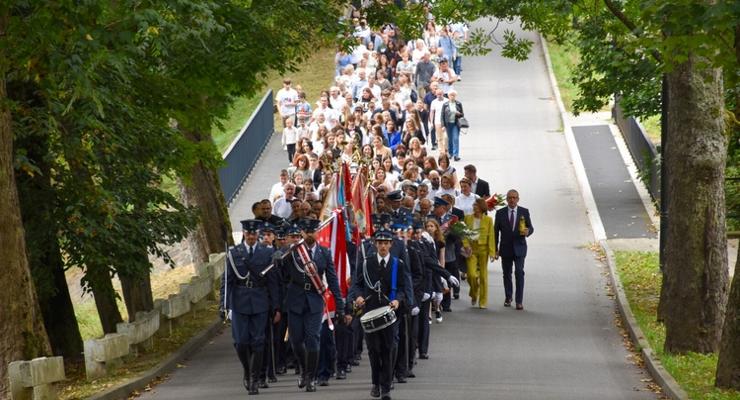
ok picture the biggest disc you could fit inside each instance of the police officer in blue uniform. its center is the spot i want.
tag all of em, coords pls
(269, 235)
(305, 305)
(372, 288)
(247, 298)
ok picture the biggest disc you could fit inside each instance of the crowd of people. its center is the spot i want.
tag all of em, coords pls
(391, 115)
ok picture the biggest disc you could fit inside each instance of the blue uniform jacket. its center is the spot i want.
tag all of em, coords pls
(264, 291)
(296, 293)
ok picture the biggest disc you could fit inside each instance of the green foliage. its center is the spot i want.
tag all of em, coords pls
(106, 86)
(641, 279)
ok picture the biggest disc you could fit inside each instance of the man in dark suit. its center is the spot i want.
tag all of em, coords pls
(477, 185)
(247, 297)
(305, 304)
(511, 228)
(373, 287)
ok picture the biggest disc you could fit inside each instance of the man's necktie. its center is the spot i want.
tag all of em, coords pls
(382, 263)
(251, 251)
(511, 219)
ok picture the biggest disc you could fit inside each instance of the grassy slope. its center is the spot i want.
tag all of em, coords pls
(315, 75)
(564, 58)
(642, 279)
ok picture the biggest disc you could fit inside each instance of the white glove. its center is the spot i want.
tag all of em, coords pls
(426, 297)
(415, 311)
(228, 315)
(454, 281)
(438, 297)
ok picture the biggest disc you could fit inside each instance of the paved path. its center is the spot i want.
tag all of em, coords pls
(620, 207)
(563, 346)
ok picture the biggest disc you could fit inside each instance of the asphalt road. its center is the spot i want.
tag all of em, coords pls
(620, 207)
(564, 345)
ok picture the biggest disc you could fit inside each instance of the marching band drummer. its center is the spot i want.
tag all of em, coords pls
(373, 287)
(246, 296)
(305, 304)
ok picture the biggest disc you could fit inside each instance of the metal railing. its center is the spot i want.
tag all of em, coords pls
(644, 152)
(243, 153)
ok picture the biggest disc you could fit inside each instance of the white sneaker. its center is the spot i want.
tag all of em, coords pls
(439, 317)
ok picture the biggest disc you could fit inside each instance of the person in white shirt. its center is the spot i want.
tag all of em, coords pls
(435, 116)
(335, 98)
(445, 76)
(466, 198)
(282, 206)
(373, 86)
(287, 98)
(289, 138)
(277, 189)
(419, 49)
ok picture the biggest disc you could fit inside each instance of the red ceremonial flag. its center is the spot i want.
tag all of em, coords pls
(361, 205)
(347, 186)
(332, 234)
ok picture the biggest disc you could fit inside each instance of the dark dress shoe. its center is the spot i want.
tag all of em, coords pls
(423, 356)
(341, 374)
(375, 391)
(246, 384)
(447, 309)
(507, 303)
(281, 370)
(457, 158)
(401, 379)
(264, 385)
(323, 382)
(456, 297)
(410, 374)
(349, 368)
(385, 396)
(519, 306)
(253, 389)
(302, 382)
(355, 362)
(273, 379)
(311, 386)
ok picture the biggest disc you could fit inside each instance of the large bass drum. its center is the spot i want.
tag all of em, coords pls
(377, 319)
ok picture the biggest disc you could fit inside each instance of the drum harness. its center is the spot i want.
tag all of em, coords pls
(377, 286)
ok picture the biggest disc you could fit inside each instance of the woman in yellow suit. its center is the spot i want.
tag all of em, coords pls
(481, 248)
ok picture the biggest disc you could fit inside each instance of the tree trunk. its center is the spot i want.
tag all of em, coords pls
(197, 243)
(728, 366)
(105, 297)
(22, 333)
(203, 190)
(137, 293)
(664, 194)
(696, 242)
(44, 255)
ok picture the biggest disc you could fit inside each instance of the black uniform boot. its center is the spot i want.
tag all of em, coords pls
(312, 364)
(256, 363)
(243, 353)
(300, 355)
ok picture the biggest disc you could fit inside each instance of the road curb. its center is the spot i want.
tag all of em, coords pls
(662, 377)
(123, 390)
(669, 385)
(575, 155)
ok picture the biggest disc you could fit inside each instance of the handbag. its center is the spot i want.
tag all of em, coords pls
(463, 122)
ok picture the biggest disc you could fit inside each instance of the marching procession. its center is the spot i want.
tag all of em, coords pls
(364, 240)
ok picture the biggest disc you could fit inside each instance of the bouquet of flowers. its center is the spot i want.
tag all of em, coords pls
(495, 201)
(463, 231)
